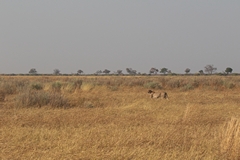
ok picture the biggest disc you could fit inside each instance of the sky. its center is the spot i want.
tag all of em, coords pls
(95, 35)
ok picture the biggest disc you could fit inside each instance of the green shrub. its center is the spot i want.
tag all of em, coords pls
(56, 86)
(36, 86)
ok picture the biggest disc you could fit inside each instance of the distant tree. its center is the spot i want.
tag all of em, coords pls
(98, 72)
(33, 71)
(106, 71)
(201, 72)
(119, 72)
(169, 72)
(228, 70)
(164, 70)
(131, 71)
(210, 69)
(79, 71)
(153, 71)
(56, 71)
(187, 70)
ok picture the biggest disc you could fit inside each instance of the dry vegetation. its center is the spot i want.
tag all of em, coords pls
(112, 117)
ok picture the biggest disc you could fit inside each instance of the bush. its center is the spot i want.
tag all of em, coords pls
(36, 86)
(152, 85)
(173, 83)
(32, 98)
(58, 101)
(88, 104)
(12, 86)
(187, 87)
(78, 83)
(113, 88)
(56, 86)
(72, 85)
(229, 85)
(2, 96)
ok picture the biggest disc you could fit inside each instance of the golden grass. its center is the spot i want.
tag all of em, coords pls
(230, 145)
(114, 118)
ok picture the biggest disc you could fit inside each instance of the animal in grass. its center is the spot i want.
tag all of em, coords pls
(162, 95)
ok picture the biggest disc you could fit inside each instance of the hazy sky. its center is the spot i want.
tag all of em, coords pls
(95, 35)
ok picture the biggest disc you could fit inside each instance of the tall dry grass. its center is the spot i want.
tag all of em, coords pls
(114, 118)
(230, 135)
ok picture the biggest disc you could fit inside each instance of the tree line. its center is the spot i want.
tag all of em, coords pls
(208, 69)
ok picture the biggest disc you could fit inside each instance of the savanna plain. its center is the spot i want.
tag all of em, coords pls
(113, 117)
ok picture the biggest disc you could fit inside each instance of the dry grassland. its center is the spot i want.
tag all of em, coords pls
(112, 117)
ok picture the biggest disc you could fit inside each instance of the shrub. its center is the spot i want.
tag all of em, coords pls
(229, 85)
(113, 88)
(58, 101)
(187, 87)
(56, 86)
(12, 86)
(196, 83)
(173, 83)
(36, 86)
(74, 83)
(217, 82)
(152, 85)
(7, 88)
(88, 104)
(32, 98)
(2, 96)
(78, 83)
(70, 87)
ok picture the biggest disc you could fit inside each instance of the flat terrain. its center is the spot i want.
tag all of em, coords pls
(113, 117)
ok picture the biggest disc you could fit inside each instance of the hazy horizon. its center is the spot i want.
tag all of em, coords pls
(95, 35)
